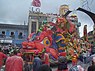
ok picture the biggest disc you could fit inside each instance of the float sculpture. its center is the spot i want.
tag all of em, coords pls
(56, 39)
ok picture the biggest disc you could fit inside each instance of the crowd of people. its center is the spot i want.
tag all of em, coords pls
(13, 61)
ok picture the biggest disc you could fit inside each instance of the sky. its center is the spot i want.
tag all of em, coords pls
(16, 11)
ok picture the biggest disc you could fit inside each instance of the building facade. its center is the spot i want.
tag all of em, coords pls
(13, 34)
(35, 20)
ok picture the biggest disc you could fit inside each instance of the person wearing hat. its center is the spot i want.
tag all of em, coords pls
(92, 67)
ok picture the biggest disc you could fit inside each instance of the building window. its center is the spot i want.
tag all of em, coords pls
(3, 34)
(20, 35)
(33, 27)
(12, 35)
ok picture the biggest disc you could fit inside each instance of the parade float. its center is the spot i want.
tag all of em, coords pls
(56, 39)
(59, 38)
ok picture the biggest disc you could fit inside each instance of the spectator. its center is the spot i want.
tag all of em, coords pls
(45, 67)
(36, 62)
(26, 66)
(92, 67)
(76, 68)
(2, 56)
(80, 68)
(62, 64)
(14, 63)
(45, 59)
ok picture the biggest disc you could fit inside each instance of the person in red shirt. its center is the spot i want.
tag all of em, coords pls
(46, 59)
(2, 56)
(14, 63)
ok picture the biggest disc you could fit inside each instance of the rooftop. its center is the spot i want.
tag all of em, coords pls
(13, 26)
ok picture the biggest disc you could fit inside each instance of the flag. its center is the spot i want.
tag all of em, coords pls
(36, 3)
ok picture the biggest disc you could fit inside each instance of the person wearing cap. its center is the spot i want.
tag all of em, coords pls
(92, 67)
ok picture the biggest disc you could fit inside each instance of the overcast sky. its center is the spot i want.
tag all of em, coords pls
(16, 11)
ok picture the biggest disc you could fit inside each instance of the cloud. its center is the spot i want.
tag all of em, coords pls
(16, 11)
